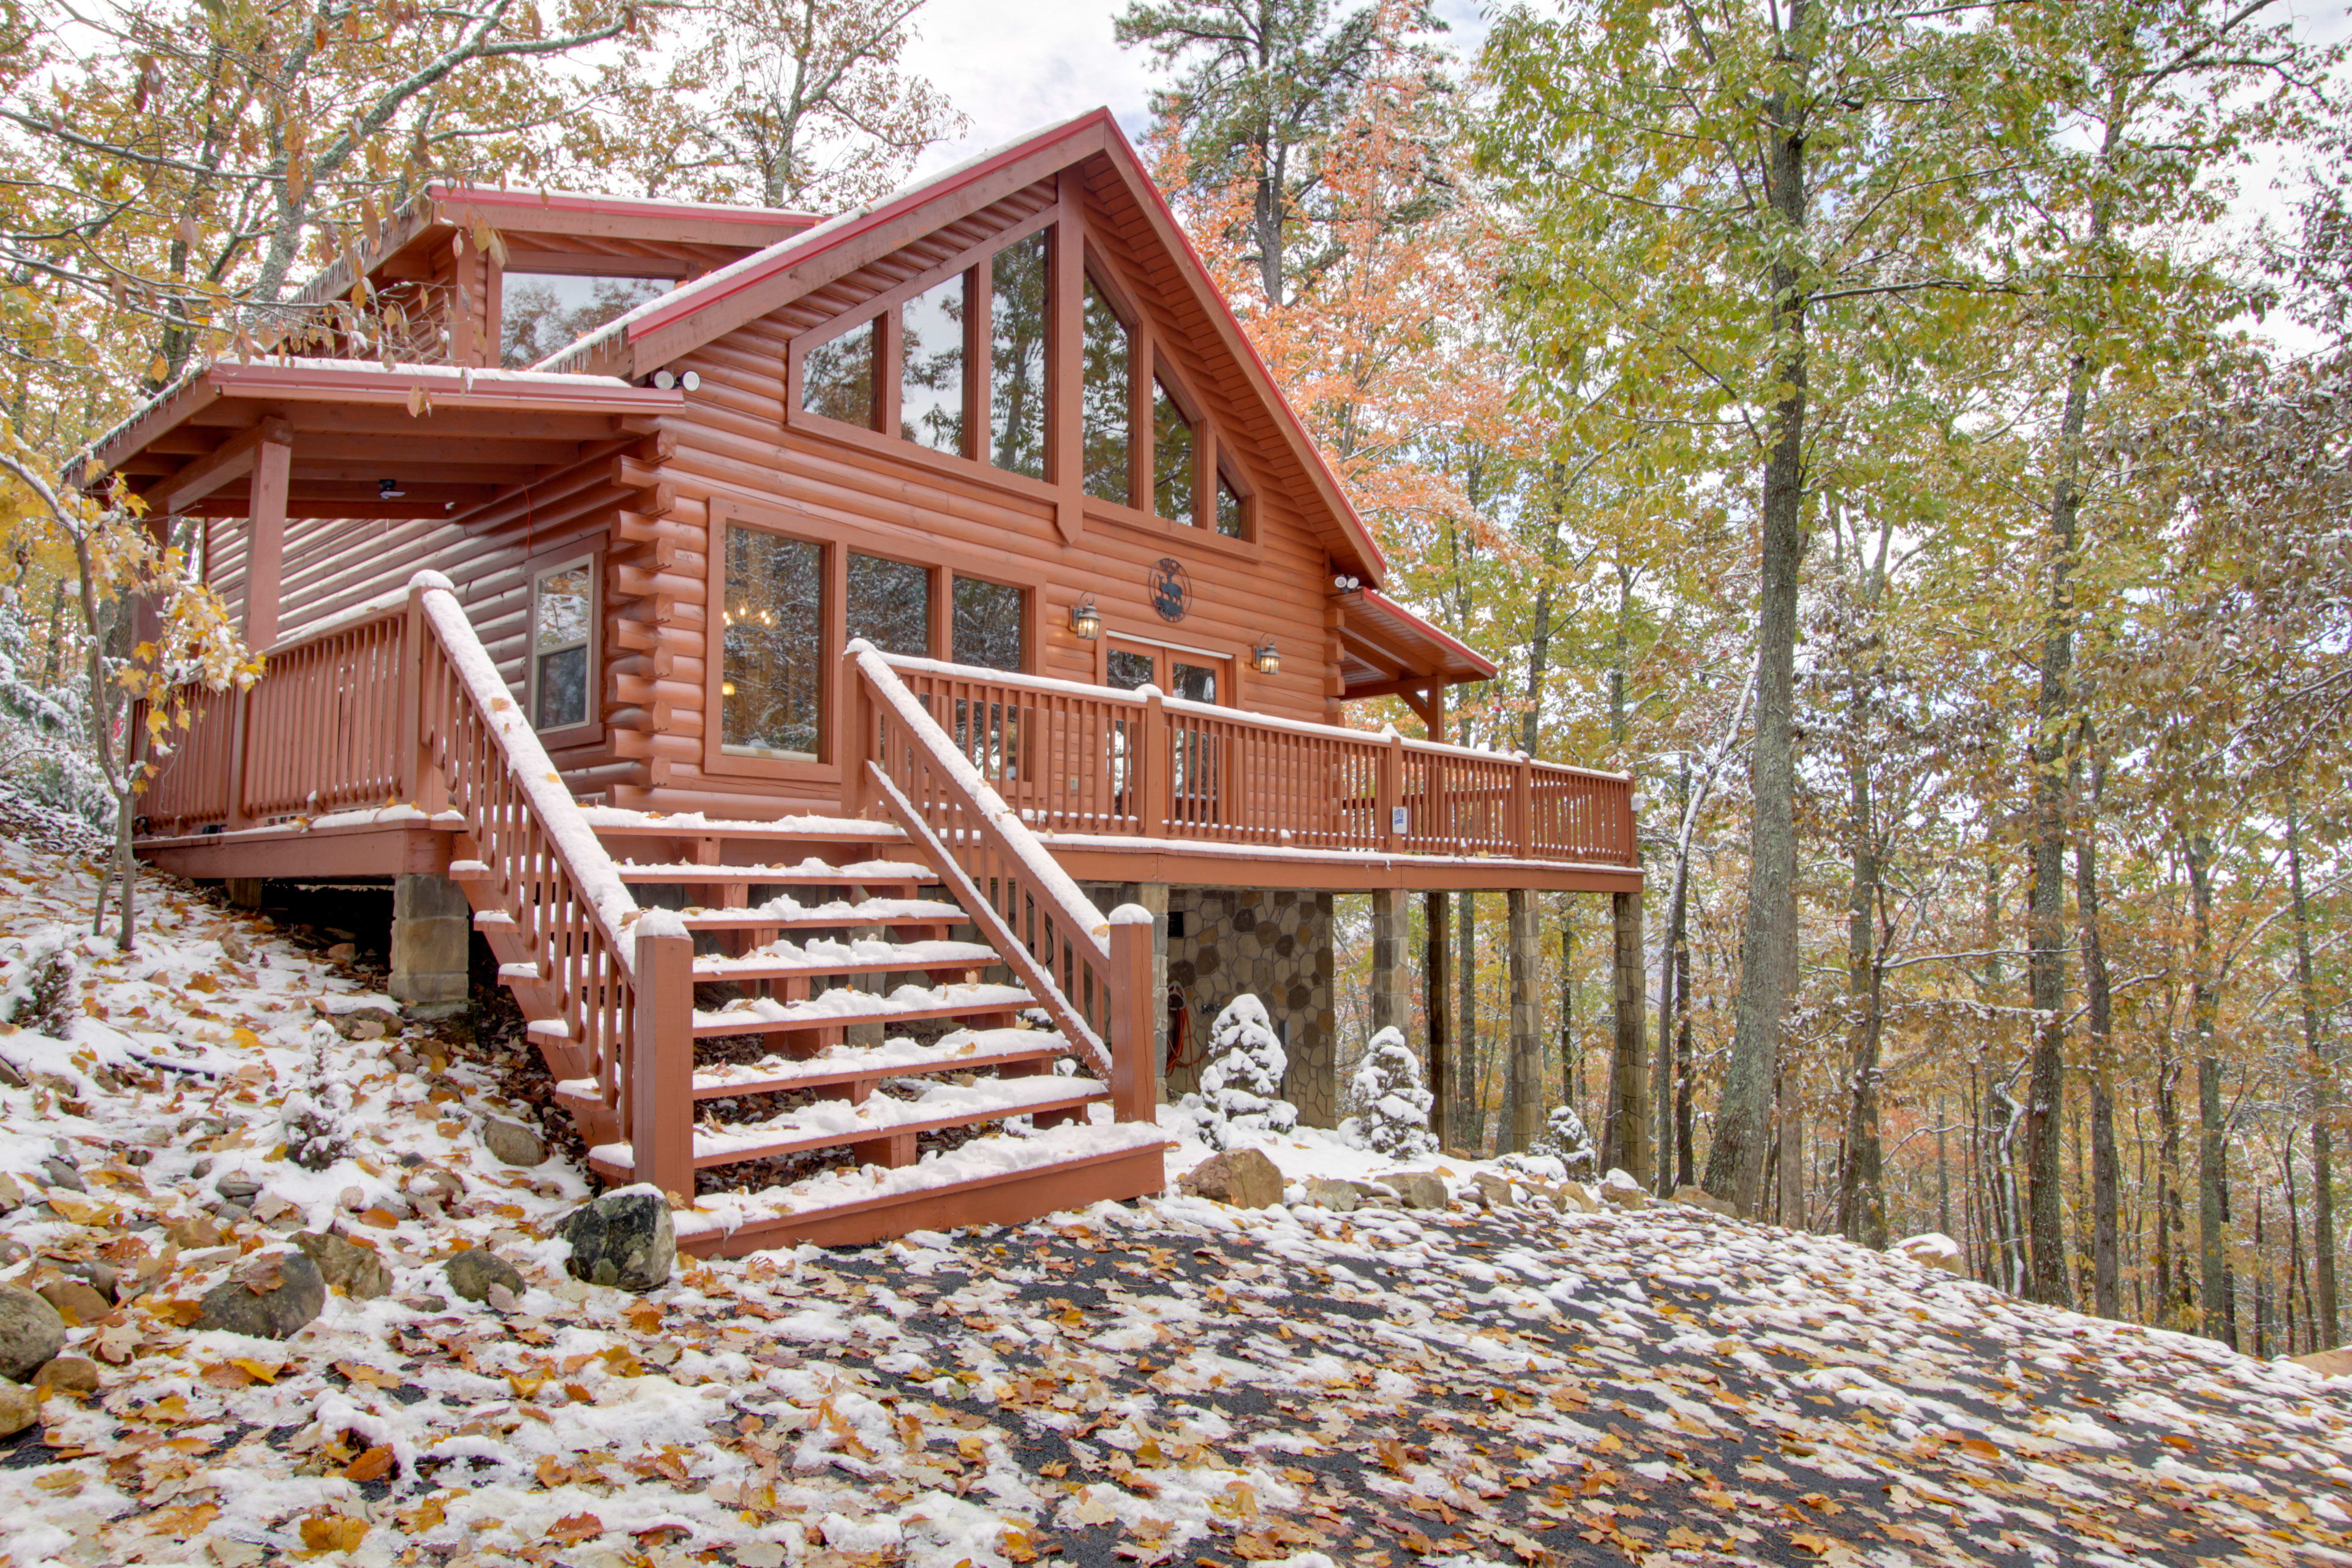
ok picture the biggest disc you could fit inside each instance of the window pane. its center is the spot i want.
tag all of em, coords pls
(1129, 670)
(930, 379)
(1194, 682)
(540, 313)
(1229, 508)
(988, 618)
(772, 683)
(1016, 357)
(1171, 458)
(890, 605)
(1104, 398)
(562, 689)
(562, 614)
(837, 378)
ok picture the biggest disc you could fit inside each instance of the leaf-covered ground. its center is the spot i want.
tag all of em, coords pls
(1175, 1383)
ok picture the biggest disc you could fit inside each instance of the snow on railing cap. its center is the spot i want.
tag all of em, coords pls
(1132, 915)
(660, 922)
(858, 645)
(428, 578)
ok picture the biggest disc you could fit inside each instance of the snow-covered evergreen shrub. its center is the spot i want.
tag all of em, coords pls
(314, 1114)
(1394, 1119)
(1564, 1138)
(1241, 1087)
(37, 982)
(45, 747)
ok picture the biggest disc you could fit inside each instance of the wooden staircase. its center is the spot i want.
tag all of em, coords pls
(781, 1021)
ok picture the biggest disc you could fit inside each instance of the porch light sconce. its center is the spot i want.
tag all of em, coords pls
(388, 490)
(1084, 619)
(1346, 585)
(1263, 659)
(726, 688)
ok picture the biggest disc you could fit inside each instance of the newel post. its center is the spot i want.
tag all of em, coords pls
(1390, 802)
(661, 1065)
(1150, 765)
(1133, 1011)
(857, 792)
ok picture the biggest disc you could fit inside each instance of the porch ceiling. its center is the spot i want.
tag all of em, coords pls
(448, 440)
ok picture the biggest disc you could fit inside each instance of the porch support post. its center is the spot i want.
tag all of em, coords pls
(1392, 1003)
(1153, 896)
(1527, 1075)
(273, 464)
(1437, 970)
(1625, 1138)
(431, 924)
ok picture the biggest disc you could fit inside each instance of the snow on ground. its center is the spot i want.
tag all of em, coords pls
(1172, 1382)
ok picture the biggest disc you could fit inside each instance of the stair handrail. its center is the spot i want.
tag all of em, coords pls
(986, 815)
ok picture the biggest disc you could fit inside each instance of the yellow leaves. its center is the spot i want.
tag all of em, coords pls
(368, 1376)
(82, 1211)
(260, 1372)
(245, 1038)
(1238, 1500)
(333, 1533)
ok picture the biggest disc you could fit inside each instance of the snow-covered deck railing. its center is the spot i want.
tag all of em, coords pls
(1085, 759)
(1089, 971)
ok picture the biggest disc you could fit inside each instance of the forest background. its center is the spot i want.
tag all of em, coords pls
(1910, 438)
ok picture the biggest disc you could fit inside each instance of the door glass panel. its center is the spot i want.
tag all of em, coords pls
(1195, 682)
(988, 617)
(1106, 412)
(837, 378)
(930, 384)
(1129, 670)
(1016, 357)
(1171, 458)
(890, 605)
(771, 689)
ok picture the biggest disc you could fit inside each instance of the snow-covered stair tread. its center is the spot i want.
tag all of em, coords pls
(811, 872)
(1000, 1157)
(844, 1005)
(619, 822)
(965, 1050)
(784, 960)
(785, 912)
(831, 1122)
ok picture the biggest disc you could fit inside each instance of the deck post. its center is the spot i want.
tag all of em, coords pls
(1392, 794)
(661, 1065)
(1525, 1121)
(856, 786)
(1134, 1003)
(431, 925)
(1437, 973)
(1392, 1003)
(1523, 806)
(1147, 765)
(273, 463)
(1625, 1138)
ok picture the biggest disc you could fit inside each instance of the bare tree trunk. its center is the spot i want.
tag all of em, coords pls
(1437, 1001)
(2105, 1177)
(1661, 1077)
(1472, 1127)
(2213, 1245)
(1768, 950)
(1568, 1052)
(2174, 1295)
(1683, 1088)
(1862, 1194)
(2322, 1164)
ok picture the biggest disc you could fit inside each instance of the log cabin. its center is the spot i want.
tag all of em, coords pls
(876, 683)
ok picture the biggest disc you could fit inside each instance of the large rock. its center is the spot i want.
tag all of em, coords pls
(19, 1408)
(1344, 1197)
(1418, 1189)
(1700, 1198)
(272, 1298)
(2336, 1362)
(1579, 1196)
(30, 1333)
(1932, 1249)
(625, 1239)
(68, 1375)
(77, 1301)
(1243, 1178)
(512, 1144)
(1622, 1191)
(474, 1271)
(346, 1265)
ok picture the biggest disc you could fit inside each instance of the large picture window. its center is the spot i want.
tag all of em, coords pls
(890, 605)
(988, 623)
(1107, 399)
(1016, 357)
(1172, 456)
(562, 627)
(772, 676)
(930, 360)
(837, 377)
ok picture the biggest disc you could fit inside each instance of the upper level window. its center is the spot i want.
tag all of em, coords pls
(1172, 456)
(890, 605)
(563, 612)
(931, 376)
(541, 313)
(1232, 520)
(1107, 399)
(773, 674)
(1016, 357)
(988, 624)
(837, 377)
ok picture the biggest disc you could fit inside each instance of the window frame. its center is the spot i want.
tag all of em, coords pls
(591, 728)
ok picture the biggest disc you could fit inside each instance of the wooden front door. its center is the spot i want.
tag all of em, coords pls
(1197, 753)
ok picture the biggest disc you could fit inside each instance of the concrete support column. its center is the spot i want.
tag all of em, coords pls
(431, 929)
(1523, 1120)
(1626, 1136)
(1391, 1001)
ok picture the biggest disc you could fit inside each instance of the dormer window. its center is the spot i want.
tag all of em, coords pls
(543, 314)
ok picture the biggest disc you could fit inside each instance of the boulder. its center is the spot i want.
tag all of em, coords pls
(1418, 1189)
(68, 1375)
(1700, 1198)
(510, 1143)
(1931, 1249)
(19, 1407)
(1623, 1192)
(274, 1297)
(474, 1271)
(2336, 1362)
(1243, 1178)
(625, 1239)
(76, 1301)
(1494, 1192)
(1344, 1197)
(30, 1333)
(1580, 1197)
(346, 1265)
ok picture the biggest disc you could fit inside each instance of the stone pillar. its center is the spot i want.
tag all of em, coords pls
(1392, 1002)
(1526, 1116)
(431, 929)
